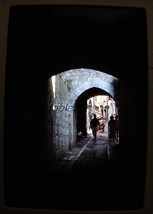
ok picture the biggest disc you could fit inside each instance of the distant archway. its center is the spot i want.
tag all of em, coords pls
(80, 109)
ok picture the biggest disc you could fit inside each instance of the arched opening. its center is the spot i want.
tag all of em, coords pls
(68, 93)
(94, 101)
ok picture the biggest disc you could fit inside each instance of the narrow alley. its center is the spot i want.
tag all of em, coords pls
(89, 153)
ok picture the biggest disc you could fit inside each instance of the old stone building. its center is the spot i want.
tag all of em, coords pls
(67, 105)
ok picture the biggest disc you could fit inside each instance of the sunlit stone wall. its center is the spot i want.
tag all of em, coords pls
(59, 112)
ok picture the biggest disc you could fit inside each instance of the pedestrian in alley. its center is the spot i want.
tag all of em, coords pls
(94, 124)
(111, 129)
(117, 127)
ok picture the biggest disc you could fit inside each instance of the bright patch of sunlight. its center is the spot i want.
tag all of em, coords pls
(53, 84)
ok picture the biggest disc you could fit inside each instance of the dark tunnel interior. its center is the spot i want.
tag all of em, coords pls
(45, 41)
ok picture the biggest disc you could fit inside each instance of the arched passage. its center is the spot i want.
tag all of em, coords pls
(80, 112)
(84, 79)
(66, 91)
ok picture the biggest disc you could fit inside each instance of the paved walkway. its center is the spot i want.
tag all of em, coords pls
(87, 172)
(87, 150)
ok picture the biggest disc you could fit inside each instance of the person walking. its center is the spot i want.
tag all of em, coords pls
(111, 129)
(117, 122)
(94, 124)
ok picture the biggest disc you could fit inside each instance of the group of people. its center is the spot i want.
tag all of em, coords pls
(113, 127)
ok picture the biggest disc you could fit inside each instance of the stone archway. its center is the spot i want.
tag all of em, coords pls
(81, 108)
(63, 91)
(82, 79)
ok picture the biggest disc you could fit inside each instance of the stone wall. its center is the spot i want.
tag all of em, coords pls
(58, 111)
(80, 80)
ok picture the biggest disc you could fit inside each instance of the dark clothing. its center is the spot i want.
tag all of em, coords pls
(117, 128)
(94, 125)
(94, 122)
(111, 129)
